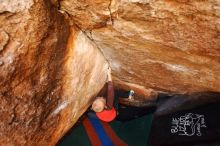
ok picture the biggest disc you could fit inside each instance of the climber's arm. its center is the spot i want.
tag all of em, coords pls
(110, 90)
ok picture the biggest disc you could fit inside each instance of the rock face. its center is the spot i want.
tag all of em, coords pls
(171, 46)
(52, 64)
(49, 72)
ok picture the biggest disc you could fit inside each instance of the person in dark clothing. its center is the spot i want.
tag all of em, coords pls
(104, 107)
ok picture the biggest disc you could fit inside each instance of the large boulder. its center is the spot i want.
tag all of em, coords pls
(49, 73)
(54, 55)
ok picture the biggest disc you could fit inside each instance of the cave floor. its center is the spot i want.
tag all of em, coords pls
(133, 132)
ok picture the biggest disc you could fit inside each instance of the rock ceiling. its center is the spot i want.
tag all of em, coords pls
(171, 46)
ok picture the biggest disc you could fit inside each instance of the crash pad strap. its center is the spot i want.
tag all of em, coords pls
(112, 135)
(103, 137)
(100, 133)
(91, 133)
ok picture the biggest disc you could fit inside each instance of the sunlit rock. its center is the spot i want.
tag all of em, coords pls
(49, 73)
(54, 56)
(171, 46)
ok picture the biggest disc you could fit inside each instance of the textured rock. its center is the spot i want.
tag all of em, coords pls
(48, 73)
(84, 76)
(51, 69)
(171, 46)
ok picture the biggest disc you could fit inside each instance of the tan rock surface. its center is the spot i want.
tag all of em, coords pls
(48, 73)
(84, 76)
(171, 46)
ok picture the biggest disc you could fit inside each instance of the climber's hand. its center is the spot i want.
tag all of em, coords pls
(109, 70)
(109, 74)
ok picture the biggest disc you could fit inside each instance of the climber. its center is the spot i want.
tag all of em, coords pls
(104, 107)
